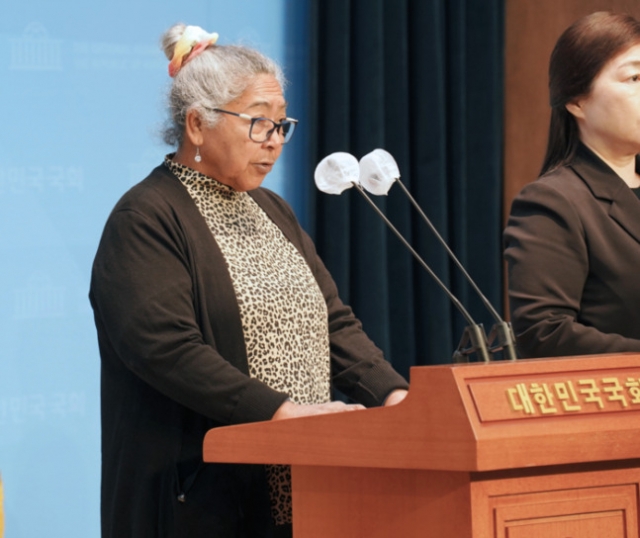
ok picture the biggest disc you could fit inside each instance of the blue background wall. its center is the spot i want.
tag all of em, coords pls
(82, 86)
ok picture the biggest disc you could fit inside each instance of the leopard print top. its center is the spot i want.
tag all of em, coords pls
(283, 313)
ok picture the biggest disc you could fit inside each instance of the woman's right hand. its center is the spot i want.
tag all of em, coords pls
(292, 410)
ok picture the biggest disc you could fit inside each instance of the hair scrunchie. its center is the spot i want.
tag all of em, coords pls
(192, 42)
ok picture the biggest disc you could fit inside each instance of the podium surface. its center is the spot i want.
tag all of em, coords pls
(541, 447)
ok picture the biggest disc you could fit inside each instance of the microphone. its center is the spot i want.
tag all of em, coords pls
(378, 173)
(336, 173)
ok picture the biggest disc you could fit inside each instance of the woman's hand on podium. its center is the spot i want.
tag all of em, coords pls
(292, 410)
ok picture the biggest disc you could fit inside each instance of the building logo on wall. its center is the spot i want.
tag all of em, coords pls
(35, 51)
(39, 299)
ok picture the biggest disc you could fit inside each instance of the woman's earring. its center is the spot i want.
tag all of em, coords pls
(197, 158)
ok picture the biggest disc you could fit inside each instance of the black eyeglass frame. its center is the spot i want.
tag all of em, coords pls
(276, 126)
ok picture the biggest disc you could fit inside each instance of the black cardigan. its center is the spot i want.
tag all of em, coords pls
(174, 364)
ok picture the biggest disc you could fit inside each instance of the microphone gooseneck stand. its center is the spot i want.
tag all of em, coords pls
(474, 338)
(501, 330)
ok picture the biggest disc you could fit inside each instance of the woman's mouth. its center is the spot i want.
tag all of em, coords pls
(264, 167)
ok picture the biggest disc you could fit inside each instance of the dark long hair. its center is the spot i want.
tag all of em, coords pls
(578, 57)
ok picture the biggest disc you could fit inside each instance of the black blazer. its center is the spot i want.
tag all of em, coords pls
(572, 244)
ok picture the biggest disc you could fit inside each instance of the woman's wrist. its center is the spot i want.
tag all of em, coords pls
(395, 397)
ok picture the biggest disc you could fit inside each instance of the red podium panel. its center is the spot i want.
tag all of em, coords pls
(544, 447)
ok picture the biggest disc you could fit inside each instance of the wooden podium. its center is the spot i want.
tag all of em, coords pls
(536, 448)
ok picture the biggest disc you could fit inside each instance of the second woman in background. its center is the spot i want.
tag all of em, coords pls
(573, 236)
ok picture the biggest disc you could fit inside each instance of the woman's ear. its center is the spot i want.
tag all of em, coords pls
(575, 109)
(193, 127)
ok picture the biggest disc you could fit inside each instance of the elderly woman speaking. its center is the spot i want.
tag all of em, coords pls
(213, 308)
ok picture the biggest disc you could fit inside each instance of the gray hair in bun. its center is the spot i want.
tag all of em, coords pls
(210, 80)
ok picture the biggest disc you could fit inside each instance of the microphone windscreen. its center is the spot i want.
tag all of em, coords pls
(337, 172)
(378, 171)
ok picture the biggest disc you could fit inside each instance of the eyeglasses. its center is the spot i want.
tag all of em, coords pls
(261, 129)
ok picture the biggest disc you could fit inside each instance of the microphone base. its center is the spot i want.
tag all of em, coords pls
(474, 340)
(506, 340)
